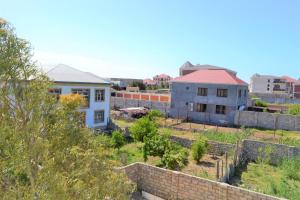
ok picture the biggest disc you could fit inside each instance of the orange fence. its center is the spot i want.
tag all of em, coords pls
(144, 96)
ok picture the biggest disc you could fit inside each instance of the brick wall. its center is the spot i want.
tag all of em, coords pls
(267, 120)
(171, 185)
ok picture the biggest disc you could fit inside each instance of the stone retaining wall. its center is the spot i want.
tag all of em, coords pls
(252, 150)
(267, 120)
(174, 185)
(214, 148)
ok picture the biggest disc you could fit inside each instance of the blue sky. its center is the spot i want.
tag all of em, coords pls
(139, 38)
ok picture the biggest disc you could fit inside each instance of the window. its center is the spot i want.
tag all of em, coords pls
(222, 92)
(201, 107)
(240, 93)
(99, 116)
(220, 109)
(99, 95)
(187, 88)
(55, 92)
(202, 91)
(85, 93)
(245, 93)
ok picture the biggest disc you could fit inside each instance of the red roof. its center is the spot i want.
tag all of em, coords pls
(289, 79)
(211, 77)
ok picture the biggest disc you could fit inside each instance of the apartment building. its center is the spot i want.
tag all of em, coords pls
(272, 84)
(208, 95)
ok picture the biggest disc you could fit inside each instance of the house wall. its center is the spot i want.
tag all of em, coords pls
(67, 89)
(186, 93)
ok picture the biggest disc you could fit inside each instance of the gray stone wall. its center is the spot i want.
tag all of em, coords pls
(214, 148)
(186, 93)
(174, 185)
(267, 120)
(252, 150)
(127, 103)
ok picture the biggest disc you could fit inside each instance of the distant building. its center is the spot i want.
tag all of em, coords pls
(272, 84)
(188, 68)
(161, 80)
(149, 82)
(95, 90)
(208, 95)
(124, 82)
(297, 89)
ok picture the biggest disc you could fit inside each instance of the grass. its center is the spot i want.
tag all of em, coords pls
(123, 123)
(291, 138)
(133, 152)
(282, 181)
(212, 135)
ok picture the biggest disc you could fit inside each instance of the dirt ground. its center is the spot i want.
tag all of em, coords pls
(207, 168)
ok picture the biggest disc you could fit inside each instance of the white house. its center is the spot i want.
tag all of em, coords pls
(95, 90)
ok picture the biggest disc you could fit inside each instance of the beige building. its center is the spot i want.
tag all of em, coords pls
(272, 84)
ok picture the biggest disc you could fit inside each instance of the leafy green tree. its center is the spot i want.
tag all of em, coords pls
(199, 148)
(44, 152)
(118, 139)
(156, 146)
(175, 157)
(154, 114)
(140, 85)
(142, 128)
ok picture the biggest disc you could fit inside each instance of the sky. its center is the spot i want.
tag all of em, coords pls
(142, 38)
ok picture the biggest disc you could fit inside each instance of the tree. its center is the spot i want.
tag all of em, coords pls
(143, 128)
(140, 85)
(118, 139)
(199, 148)
(44, 153)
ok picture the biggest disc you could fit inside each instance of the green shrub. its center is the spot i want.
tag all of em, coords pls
(294, 109)
(156, 146)
(199, 148)
(118, 139)
(153, 114)
(261, 103)
(142, 128)
(175, 157)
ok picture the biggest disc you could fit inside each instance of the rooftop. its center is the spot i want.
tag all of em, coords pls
(211, 76)
(67, 74)
(189, 66)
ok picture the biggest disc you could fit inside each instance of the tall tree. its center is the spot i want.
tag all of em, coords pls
(44, 152)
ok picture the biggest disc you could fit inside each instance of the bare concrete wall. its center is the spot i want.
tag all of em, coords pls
(171, 185)
(267, 120)
(127, 103)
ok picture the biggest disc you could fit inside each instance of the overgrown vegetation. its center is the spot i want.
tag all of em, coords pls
(261, 103)
(282, 181)
(199, 148)
(118, 139)
(294, 109)
(45, 153)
